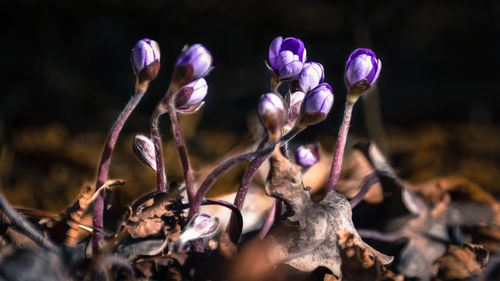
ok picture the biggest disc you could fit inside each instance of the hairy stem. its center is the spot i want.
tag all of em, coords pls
(102, 172)
(181, 149)
(161, 179)
(339, 150)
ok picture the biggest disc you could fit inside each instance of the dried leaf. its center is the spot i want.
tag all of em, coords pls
(462, 262)
(154, 216)
(308, 239)
(358, 264)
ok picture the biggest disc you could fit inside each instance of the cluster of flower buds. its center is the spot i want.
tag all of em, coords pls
(307, 155)
(146, 59)
(309, 99)
(361, 71)
(200, 226)
(272, 112)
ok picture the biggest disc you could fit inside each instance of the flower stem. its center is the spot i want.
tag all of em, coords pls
(339, 150)
(161, 179)
(219, 170)
(102, 172)
(181, 149)
(252, 171)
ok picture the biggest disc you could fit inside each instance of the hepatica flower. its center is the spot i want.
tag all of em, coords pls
(272, 112)
(198, 57)
(287, 57)
(361, 66)
(191, 96)
(317, 104)
(311, 76)
(146, 59)
(307, 156)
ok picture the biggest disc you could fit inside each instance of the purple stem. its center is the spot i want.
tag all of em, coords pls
(339, 151)
(102, 172)
(368, 182)
(268, 222)
(219, 170)
(181, 149)
(252, 171)
(161, 179)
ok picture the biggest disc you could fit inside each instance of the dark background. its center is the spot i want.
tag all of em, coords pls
(67, 62)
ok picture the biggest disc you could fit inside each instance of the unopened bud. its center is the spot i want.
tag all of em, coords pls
(191, 95)
(311, 76)
(287, 57)
(198, 57)
(361, 71)
(272, 113)
(200, 226)
(294, 104)
(144, 149)
(317, 104)
(146, 59)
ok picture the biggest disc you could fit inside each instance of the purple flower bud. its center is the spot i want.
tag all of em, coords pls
(317, 104)
(362, 65)
(198, 57)
(146, 59)
(192, 94)
(272, 112)
(200, 226)
(144, 150)
(308, 155)
(294, 104)
(287, 57)
(311, 76)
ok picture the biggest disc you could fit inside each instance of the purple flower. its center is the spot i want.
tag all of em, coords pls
(200, 226)
(192, 94)
(362, 65)
(317, 104)
(198, 57)
(272, 112)
(311, 76)
(307, 156)
(320, 99)
(287, 57)
(146, 59)
(144, 150)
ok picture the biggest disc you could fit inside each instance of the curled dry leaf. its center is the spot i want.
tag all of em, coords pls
(155, 217)
(308, 239)
(65, 227)
(358, 264)
(462, 262)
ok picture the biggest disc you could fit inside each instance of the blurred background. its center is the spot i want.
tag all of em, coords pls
(65, 75)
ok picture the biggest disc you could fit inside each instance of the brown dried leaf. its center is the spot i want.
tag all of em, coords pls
(307, 239)
(358, 264)
(462, 262)
(65, 228)
(154, 216)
